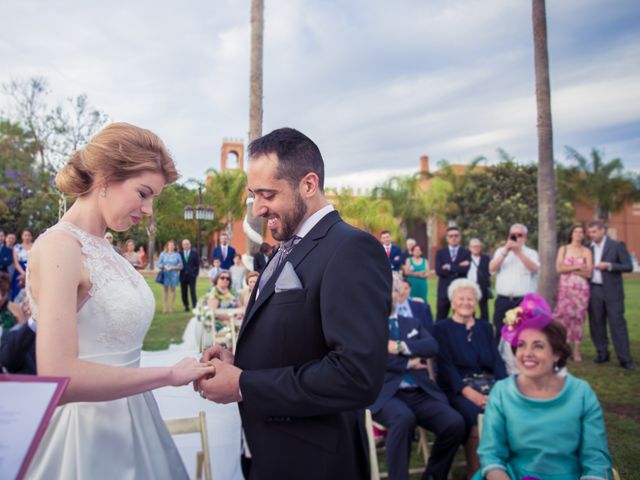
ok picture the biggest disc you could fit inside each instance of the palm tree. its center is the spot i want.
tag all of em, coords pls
(255, 76)
(225, 192)
(255, 100)
(599, 182)
(459, 181)
(370, 214)
(547, 244)
(413, 204)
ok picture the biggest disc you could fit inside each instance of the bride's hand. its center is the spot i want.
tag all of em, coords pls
(188, 370)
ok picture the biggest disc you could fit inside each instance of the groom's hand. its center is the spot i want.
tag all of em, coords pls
(224, 386)
(218, 352)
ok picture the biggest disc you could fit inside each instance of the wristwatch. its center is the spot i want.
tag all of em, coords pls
(399, 346)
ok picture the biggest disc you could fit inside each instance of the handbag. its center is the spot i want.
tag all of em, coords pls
(160, 277)
(480, 382)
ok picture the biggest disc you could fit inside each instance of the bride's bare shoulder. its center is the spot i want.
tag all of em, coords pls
(58, 248)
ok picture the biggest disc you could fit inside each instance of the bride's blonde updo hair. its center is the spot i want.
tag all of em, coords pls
(116, 153)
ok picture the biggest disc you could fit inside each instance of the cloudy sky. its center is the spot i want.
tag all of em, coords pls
(375, 83)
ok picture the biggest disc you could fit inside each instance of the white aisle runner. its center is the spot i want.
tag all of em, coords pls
(223, 421)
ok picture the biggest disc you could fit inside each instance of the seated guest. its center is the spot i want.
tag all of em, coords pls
(221, 295)
(543, 422)
(408, 307)
(244, 295)
(18, 349)
(409, 398)
(468, 361)
(10, 312)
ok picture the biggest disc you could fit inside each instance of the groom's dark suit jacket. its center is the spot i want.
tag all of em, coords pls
(313, 358)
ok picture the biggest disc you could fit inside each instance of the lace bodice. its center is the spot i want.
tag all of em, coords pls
(114, 319)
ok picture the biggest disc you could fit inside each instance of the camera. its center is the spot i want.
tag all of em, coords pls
(513, 237)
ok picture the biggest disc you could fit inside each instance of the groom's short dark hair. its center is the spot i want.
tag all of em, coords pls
(297, 155)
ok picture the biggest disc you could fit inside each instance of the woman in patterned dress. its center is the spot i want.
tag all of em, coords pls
(574, 264)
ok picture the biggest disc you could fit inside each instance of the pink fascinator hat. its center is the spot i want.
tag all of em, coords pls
(534, 312)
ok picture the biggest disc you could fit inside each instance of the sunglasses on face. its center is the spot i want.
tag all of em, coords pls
(518, 235)
(225, 278)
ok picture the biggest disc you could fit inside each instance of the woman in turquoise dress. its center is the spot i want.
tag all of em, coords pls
(416, 269)
(170, 263)
(542, 423)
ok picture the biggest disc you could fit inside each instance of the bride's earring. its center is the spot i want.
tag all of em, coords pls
(103, 191)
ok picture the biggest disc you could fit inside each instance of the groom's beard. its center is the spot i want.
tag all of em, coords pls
(290, 221)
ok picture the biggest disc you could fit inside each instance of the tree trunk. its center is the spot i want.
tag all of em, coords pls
(255, 100)
(151, 246)
(255, 80)
(547, 246)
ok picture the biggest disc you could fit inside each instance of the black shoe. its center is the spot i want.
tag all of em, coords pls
(627, 365)
(601, 358)
(186, 309)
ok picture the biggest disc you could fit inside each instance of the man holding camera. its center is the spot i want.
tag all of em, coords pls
(516, 267)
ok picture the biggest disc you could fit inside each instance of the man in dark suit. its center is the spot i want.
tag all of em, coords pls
(261, 257)
(312, 348)
(394, 254)
(18, 349)
(189, 274)
(610, 260)
(408, 307)
(224, 252)
(479, 273)
(409, 397)
(452, 262)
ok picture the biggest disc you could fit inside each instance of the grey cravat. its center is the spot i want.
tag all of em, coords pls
(281, 254)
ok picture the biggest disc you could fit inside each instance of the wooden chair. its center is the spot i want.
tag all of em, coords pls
(229, 334)
(373, 453)
(197, 424)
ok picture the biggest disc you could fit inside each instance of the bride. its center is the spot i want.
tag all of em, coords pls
(93, 310)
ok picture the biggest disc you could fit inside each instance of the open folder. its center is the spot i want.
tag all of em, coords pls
(27, 403)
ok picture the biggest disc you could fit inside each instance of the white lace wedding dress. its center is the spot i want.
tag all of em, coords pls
(118, 439)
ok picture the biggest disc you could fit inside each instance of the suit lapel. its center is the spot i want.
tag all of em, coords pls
(299, 252)
(608, 245)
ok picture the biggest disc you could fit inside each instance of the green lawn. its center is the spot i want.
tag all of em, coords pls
(617, 389)
(167, 328)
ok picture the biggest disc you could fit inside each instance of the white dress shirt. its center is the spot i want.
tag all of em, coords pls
(473, 269)
(513, 278)
(313, 220)
(596, 276)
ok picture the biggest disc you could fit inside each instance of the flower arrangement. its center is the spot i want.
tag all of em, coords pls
(203, 315)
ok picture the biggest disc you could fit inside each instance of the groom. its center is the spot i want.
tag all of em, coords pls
(312, 349)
